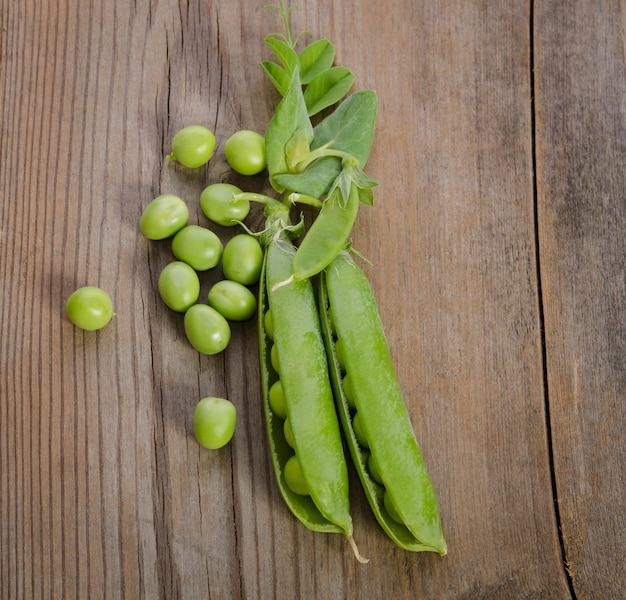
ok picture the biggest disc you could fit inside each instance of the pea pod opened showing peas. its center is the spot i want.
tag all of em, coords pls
(398, 487)
(327, 376)
(304, 434)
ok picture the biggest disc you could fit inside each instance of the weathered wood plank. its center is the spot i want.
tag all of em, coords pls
(104, 492)
(454, 260)
(581, 174)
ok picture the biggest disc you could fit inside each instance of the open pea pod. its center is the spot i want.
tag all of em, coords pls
(302, 506)
(382, 444)
(300, 366)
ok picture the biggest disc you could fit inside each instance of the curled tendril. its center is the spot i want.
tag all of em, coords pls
(285, 14)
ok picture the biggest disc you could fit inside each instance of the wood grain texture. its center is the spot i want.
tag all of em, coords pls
(497, 258)
(581, 160)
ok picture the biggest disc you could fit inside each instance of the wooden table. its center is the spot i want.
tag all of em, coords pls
(498, 259)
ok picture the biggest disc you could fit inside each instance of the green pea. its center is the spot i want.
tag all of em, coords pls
(163, 217)
(339, 353)
(357, 426)
(217, 204)
(331, 321)
(374, 469)
(346, 383)
(242, 259)
(390, 507)
(269, 325)
(179, 286)
(214, 422)
(233, 300)
(207, 331)
(288, 433)
(274, 358)
(192, 146)
(198, 246)
(245, 152)
(277, 400)
(294, 477)
(89, 308)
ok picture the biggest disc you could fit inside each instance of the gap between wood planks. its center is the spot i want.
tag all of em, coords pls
(544, 358)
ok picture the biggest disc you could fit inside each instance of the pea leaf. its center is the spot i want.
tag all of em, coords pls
(284, 52)
(315, 58)
(314, 181)
(278, 76)
(297, 149)
(350, 127)
(290, 121)
(327, 88)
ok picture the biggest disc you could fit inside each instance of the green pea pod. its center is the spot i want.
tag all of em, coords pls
(328, 234)
(308, 397)
(351, 323)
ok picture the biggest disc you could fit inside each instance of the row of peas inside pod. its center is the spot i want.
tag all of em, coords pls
(197, 249)
(292, 470)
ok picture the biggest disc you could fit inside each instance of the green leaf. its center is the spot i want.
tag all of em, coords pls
(297, 149)
(290, 118)
(315, 180)
(327, 88)
(315, 58)
(278, 76)
(350, 127)
(284, 52)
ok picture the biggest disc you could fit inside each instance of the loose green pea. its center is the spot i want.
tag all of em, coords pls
(207, 331)
(277, 400)
(245, 152)
(288, 433)
(214, 422)
(242, 259)
(294, 478)
(233, 300)
(192, 146)
(179, 286)
(163, 217)
(198, 246)
(89, 308)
